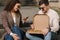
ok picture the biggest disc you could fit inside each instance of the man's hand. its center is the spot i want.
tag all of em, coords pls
(32, 26)
(45, 31)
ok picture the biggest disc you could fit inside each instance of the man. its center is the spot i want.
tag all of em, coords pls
(54, 20)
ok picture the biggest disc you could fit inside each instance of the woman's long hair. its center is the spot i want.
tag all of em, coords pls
(10, 5)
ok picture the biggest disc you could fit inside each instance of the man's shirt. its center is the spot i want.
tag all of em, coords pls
(54, 19)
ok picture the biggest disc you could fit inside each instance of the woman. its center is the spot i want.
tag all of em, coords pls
(12, 20)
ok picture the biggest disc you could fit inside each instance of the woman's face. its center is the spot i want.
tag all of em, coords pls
(17, 7)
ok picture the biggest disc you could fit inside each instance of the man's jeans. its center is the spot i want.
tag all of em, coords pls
(47, 37)
(53, 34)
(17, 31)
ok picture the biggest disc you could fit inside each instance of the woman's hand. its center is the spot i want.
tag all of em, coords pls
(25, 19)
(15, 36)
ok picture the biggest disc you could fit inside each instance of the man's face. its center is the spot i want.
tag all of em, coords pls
(44, 8)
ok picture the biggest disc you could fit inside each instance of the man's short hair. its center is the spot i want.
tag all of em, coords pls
(46, 2)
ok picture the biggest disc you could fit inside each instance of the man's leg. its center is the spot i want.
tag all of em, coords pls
(53, 36)
(48, 36)
(32, 37)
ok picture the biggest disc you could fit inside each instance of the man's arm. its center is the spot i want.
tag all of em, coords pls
(55, 23)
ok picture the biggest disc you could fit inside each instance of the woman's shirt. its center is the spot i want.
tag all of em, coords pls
(14, 17)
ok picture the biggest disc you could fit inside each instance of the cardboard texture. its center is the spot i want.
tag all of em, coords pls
(40, 24)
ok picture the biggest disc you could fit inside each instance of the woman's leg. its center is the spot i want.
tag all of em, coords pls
(18, 31)
(48, 36)
(32, 37)
(8, 37)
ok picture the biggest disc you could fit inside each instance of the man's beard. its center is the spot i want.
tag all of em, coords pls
(44, 12)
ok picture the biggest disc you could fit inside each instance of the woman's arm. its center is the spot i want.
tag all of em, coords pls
(6, 27)
(5, 22)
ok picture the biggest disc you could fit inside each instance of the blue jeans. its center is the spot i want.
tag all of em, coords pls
(47, 37)
(17, 31)
(53, 34)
